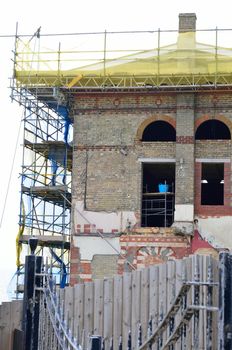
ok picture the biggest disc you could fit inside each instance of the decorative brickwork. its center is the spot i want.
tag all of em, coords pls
(185, 139)
(220, 117)
(152, 119)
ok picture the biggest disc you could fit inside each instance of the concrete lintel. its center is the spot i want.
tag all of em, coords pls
(212, 160)
(156, 160)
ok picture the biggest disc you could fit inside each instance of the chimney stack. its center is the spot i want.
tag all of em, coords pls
(187, 22)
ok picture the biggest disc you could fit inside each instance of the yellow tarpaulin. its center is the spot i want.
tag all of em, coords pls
(186, 58)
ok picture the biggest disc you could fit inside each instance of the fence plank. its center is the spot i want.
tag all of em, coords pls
(144, 302)
(16, 318)
(209, 301)
(171, 284)
(16, 312)
(108, 312)
(126, 315)
(88, 312)
(116, 306)
(179, 283)
(200, 277)
(191, 272)
(69, 306)
(117, 310)
(154, 299)
(162, 297)
(215, 300)
(136, 301)
(98, 307)
(5, 324)
(78, 311)
(205, 314)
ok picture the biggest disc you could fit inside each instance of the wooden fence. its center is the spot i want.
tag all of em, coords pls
(10, 320)
(172, 306)
(129, 308)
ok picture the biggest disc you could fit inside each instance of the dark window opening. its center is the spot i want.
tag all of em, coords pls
(159, 131)
(158, 197)
(213, 130)
(212, 184)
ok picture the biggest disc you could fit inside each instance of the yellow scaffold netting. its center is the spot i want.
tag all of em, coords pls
(187, 62)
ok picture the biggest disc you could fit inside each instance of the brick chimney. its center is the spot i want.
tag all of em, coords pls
(187, 22)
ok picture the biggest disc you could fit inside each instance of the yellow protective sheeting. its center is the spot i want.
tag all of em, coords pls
(18, 243)
(185, 58)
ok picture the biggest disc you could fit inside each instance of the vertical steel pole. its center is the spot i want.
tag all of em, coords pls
(28, 300)
(225, 301)
(158, 68)
(216, 57)
(36, 299)
(104, 63)
(33, 265)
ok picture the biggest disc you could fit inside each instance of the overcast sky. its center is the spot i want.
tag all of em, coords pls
(63, 17)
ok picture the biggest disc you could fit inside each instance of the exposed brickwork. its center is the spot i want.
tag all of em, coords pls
(74, 265)
(141, 251)
(213, 149)
(107, 168)
(185, 139)
(185, 149)
(104, 266)
(187, 22)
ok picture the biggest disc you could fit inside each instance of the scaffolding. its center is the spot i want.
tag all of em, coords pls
(158, 207)
(45, 204)
(161, 59)
(47, 79)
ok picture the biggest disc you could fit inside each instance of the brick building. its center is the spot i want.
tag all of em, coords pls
(150, 167)
(150, 161)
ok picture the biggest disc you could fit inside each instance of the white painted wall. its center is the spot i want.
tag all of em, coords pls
(184, 212)
(90, 246)
(107, 221)
(217, 231)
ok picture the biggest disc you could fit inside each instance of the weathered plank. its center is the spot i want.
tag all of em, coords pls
(171, 288)
(116, 307)
(6, 326)
(16, 313)
(199, 276)
(117, 310)
(154, 300)
(78, 311)
(145, 304)
(126, 314)
(179, 283)
(69, 306)
(98, 307)
(215, 302)
(162, 298)
(88, 312)
(108, 312)
(136, 302)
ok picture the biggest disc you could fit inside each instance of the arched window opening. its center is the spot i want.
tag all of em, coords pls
(159, 131)
(213, 130)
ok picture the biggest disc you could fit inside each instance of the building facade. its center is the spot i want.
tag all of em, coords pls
(151, 169)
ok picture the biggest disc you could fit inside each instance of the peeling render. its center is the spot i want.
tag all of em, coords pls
(105, 222)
